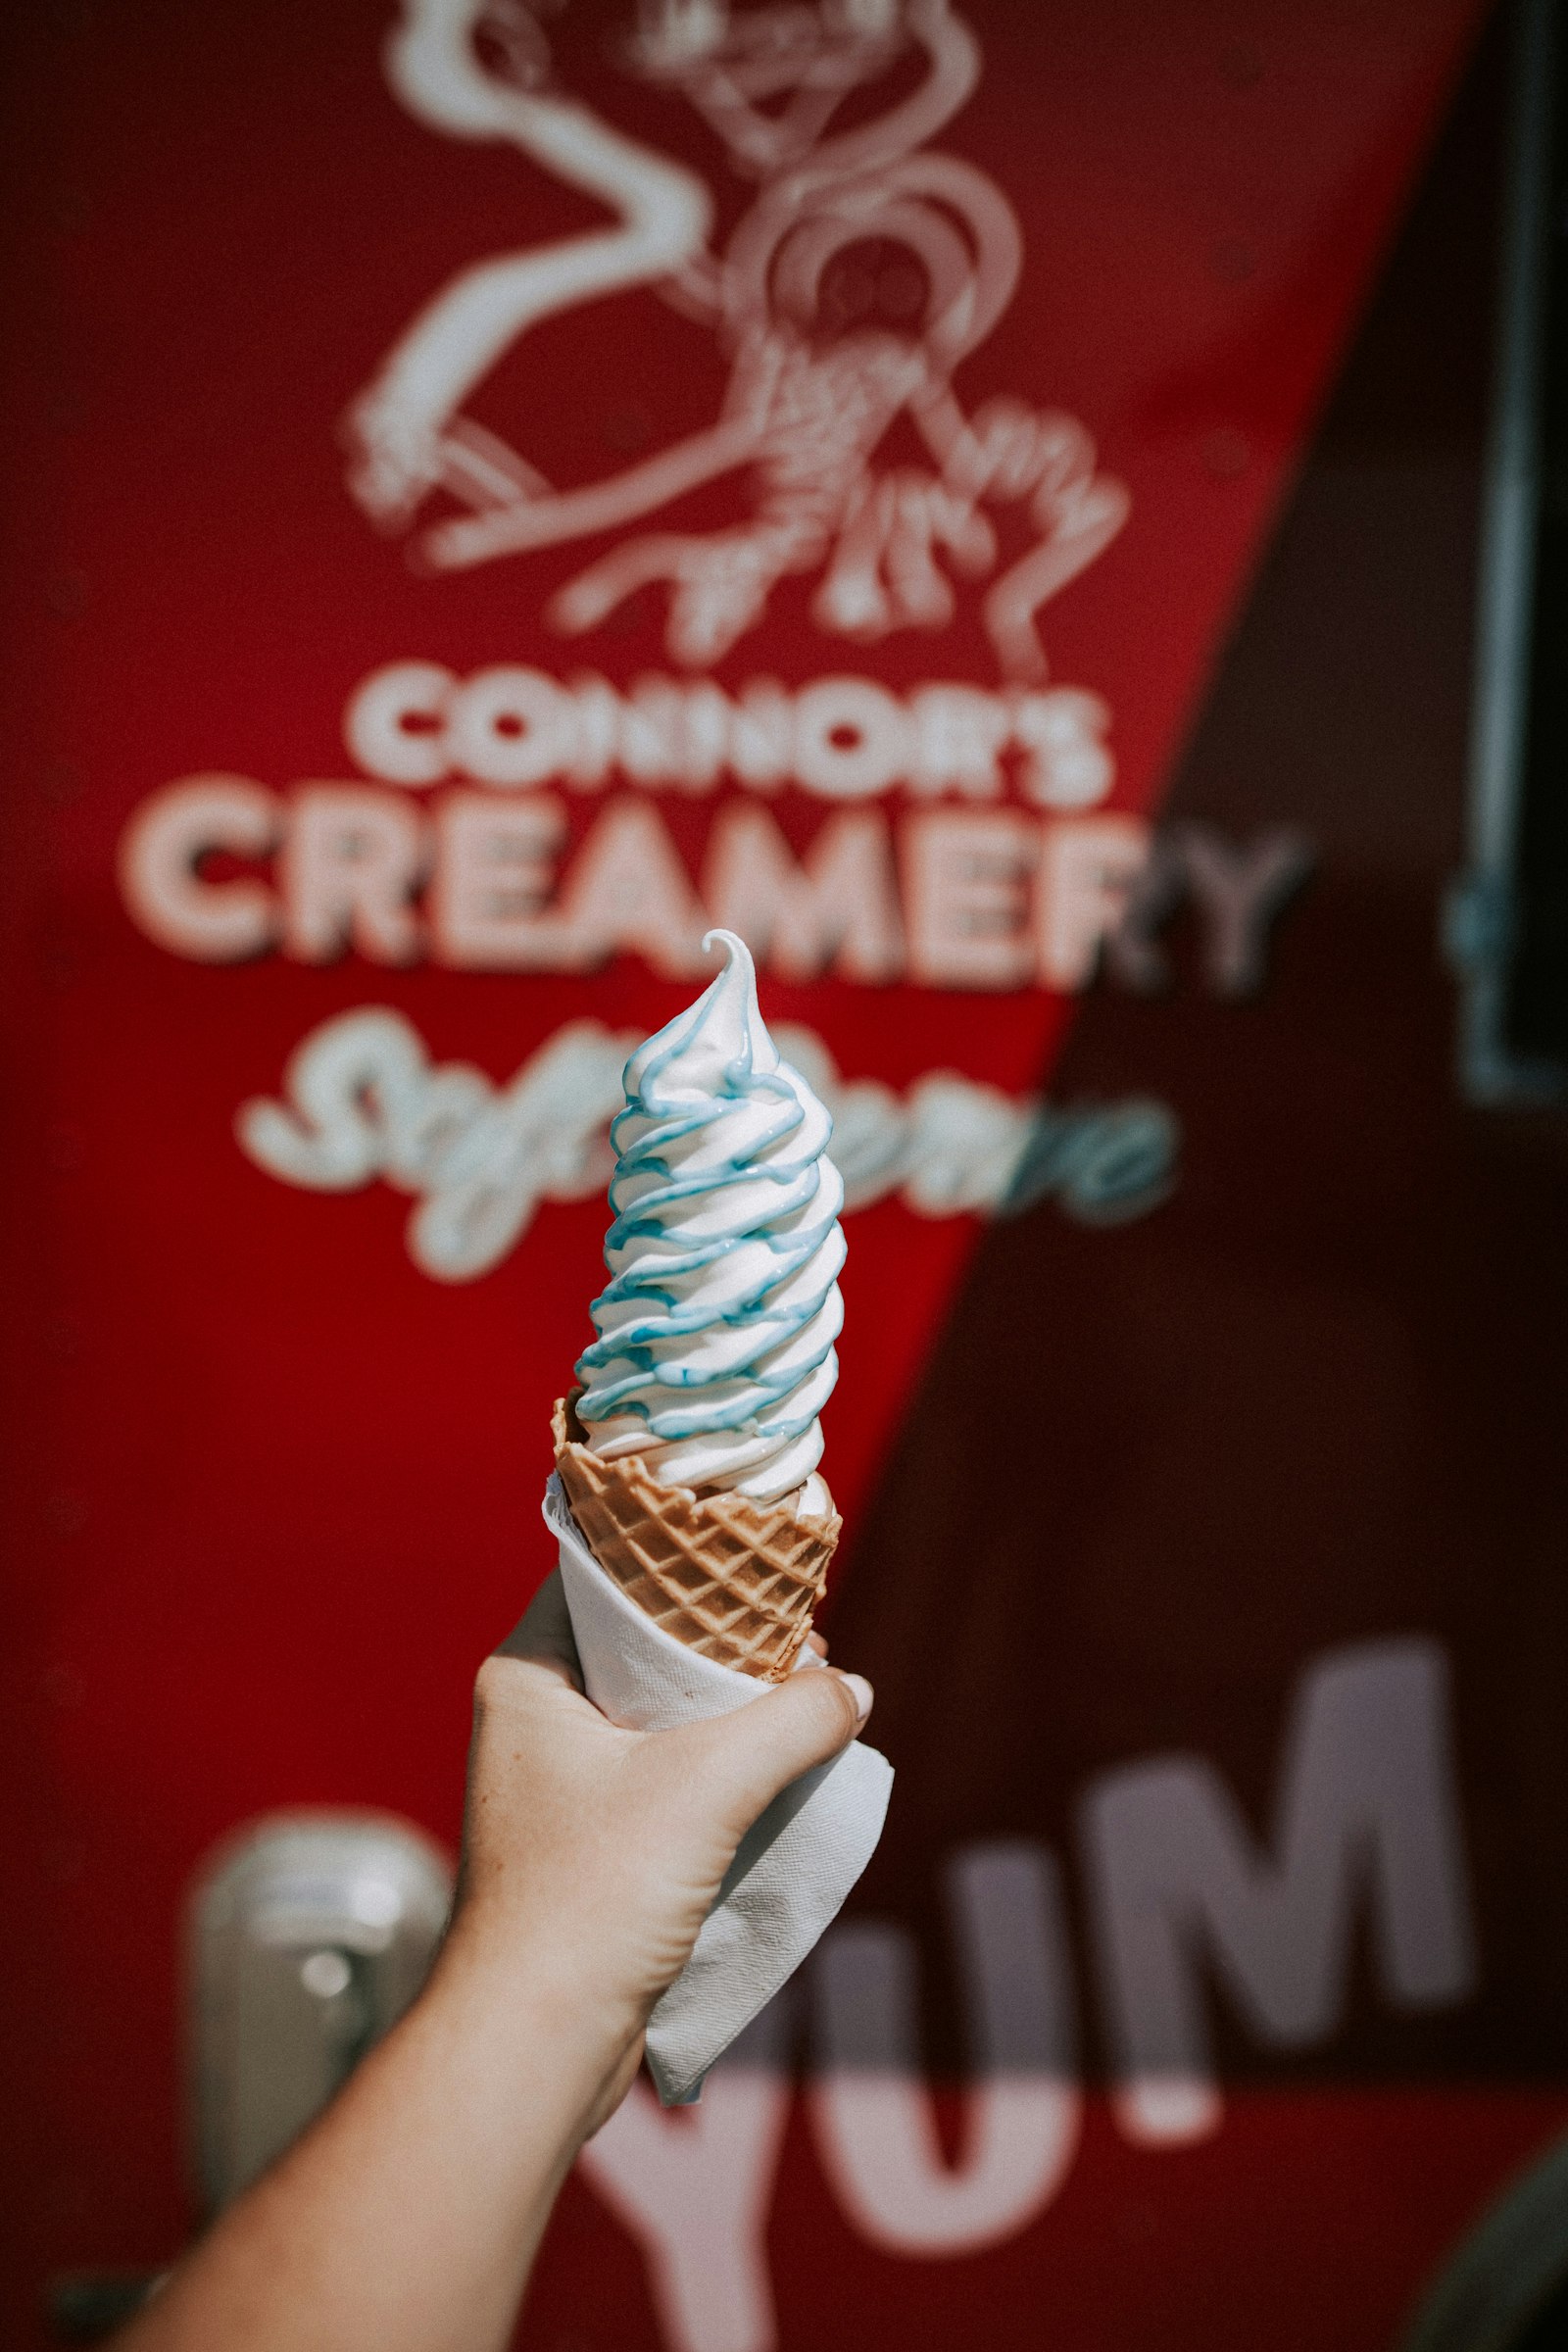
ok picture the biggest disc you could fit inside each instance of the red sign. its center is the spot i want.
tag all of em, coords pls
(503, 492)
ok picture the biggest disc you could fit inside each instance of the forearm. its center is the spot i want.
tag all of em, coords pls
(407, 2220)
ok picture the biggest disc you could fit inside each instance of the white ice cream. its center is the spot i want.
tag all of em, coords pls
(714, 1355)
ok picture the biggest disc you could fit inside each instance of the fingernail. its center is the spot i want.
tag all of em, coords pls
(860, 1692)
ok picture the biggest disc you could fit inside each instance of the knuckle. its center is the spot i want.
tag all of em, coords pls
(830, 1705)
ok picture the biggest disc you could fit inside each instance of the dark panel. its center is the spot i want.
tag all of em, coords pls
(1320, 1396)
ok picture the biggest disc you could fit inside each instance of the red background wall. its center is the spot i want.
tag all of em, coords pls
(273, 1491)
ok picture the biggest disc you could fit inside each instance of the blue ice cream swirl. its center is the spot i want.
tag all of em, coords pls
(714, 1355)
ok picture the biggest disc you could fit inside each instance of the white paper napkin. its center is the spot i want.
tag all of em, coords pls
(795, 1864)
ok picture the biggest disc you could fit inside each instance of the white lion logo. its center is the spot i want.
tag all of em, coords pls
(815, 385)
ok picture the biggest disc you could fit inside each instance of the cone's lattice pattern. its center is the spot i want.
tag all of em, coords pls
(734, 1579)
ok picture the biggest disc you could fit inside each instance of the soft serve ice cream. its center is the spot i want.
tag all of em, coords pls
(714, 1355)
(689, 1450)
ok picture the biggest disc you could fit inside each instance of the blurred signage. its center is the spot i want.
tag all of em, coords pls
(513, 487)
(1367, 1816)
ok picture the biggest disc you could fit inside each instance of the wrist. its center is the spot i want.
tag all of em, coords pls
(540, 2023)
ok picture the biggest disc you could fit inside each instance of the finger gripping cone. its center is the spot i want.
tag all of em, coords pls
(734, 1579)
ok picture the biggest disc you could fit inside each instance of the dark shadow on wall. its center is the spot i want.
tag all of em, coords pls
(1319, 1397)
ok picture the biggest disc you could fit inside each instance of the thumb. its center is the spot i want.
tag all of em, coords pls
(747, 1756)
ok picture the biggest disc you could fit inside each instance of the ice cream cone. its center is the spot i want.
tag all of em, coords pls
(734, 1579)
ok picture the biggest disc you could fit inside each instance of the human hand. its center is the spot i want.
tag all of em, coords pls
(593, 1854)
(407, 2219)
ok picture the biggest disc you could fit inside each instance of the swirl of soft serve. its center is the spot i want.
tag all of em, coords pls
(714, 1354)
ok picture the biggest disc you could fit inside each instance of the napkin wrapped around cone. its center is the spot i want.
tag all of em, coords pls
(795, 1864)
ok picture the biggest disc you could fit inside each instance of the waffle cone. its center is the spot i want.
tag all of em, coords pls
(734, 1579)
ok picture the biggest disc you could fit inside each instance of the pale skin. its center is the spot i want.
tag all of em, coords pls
(407, 2219)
